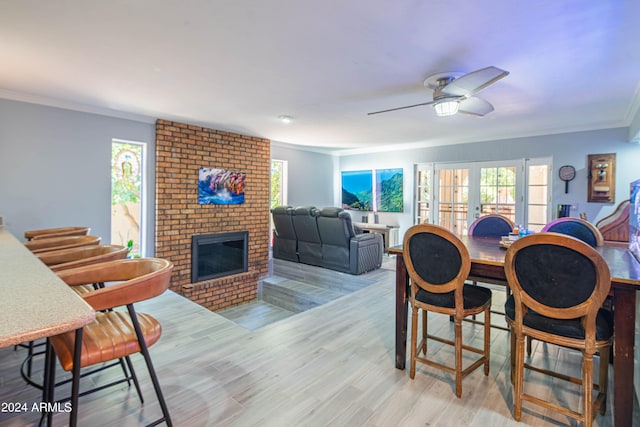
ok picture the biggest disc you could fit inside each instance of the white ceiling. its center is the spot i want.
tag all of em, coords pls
(237, 65)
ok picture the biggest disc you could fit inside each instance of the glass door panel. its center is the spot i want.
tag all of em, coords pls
(498, 191)
(423, 194)
(537, 196)
(453, 199)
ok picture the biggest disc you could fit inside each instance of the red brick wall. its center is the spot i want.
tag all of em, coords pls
(181, 150)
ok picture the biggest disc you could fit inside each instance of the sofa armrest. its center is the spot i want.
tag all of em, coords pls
(365, 252)
(365, 237)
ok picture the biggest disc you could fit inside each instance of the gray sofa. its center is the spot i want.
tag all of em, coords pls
(326, 238)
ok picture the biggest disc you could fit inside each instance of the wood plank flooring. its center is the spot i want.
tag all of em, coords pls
(332, 365)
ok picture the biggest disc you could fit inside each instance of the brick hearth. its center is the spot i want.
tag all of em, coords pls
(181, 150)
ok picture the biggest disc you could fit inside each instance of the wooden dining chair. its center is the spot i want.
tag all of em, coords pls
(57, 243)
(558, 284)
(575, 227)
(578, 228)
(438, 264)
(46, 233)
(492, 225)
(115, 333)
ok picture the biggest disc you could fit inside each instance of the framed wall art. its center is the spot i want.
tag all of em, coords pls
(220, 187)
(388, 190)
(357, 189)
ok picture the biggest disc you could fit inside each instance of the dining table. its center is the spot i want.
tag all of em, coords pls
(487, 259)
(34, 302)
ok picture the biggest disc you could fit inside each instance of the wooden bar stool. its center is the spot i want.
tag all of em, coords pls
(558, 285)
(492, 225)
(438, 264)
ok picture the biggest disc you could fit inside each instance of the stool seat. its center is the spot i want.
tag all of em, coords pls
(474, 298)
(570, 328)
(111, 336)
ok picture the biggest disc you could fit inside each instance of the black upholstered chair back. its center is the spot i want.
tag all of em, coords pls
(491, 226)
(578, 228)
(557, 275)
(436, 259)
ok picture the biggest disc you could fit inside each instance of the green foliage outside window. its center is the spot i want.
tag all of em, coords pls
(276, 183)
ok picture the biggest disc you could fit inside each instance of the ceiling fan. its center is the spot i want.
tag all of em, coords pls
(454, 93)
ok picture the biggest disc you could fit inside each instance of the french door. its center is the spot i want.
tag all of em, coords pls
(453, 195)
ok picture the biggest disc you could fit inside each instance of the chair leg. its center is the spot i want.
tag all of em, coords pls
(152, 372)
(519, 377)
(474, 283)
(458, 344)
(529, 339)
(603, 378)
(414, 341)
(424, 332)
(30, 356)
(587, 388)
(487, 339)
(49, 381)
(133, 376)
(75, 382)
(512, 357)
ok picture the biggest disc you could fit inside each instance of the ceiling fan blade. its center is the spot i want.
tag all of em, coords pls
(475, 106)
(474, 82)
(401, 108)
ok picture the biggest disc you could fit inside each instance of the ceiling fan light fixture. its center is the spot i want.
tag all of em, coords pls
(285, 119)
(446, 108)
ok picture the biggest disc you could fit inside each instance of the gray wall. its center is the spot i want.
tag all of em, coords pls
(310, 175)
(55, 168)
(568, 148)
(634, 128)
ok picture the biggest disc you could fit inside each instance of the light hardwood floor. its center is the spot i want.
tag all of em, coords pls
(332, 365)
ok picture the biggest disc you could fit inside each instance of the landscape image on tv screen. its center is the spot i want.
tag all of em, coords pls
(357, 188)
(389, 190)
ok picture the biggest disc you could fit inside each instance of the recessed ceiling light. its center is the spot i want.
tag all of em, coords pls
(285, 119)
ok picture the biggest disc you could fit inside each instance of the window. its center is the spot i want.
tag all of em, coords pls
(538, 203)
(498, 191)
(127, 168)
(423, 193)
(278, 183)
(278, 189)
(453, 199)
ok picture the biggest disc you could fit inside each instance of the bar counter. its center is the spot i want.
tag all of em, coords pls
(34, 302)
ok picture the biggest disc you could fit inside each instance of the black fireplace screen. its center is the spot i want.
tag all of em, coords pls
(217, 255)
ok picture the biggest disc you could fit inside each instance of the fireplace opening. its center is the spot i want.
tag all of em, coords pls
(218, 255)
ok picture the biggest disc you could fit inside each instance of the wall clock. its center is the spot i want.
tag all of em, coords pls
(567, 173)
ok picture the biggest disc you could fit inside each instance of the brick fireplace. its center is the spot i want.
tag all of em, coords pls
(181, 149)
